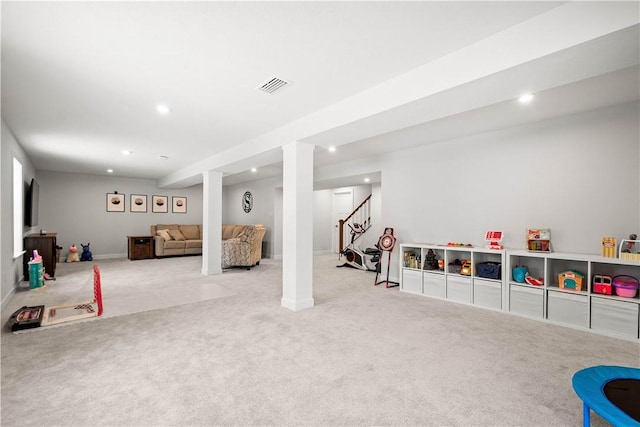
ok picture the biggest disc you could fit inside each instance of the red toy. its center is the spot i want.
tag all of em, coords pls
(602, 284)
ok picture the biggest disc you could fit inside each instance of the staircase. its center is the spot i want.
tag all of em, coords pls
(355, 225)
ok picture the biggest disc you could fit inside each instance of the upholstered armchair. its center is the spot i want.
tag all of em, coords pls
(242, 245)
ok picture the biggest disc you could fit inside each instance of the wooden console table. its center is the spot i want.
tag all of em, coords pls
(140, 247)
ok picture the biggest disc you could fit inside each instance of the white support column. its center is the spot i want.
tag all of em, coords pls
(211, 223)
(297, 220)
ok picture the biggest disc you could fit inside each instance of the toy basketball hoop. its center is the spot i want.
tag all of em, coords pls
(494, 238)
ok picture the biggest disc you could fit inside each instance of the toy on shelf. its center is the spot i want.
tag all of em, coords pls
(539, 240)
(630, 248)
(465, 245)
(430, 261)
(609, 247)
(570, 279)
(625, 286)
(602, 284)
(466, 268)
(455, 266)
(494, 238)
(533, 280)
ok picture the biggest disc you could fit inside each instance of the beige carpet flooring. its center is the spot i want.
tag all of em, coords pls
(221, 350)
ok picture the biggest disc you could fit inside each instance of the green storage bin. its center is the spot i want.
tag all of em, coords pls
(36, 275)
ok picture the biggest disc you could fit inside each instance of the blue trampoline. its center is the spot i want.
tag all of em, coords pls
(613, 392)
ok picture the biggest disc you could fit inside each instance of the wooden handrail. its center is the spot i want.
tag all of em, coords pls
(356, 209)
(343, 221)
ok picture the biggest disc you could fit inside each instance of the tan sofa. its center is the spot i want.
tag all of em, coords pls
(184, 239)
(241, 244)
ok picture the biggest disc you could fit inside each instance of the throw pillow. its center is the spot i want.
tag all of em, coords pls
(176, 234)
(164, 234)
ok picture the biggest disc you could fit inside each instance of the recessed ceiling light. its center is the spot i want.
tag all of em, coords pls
(332, 149)
(163, 157)
(254, 170)
(526, 98)
(163, 109)
(109, 170)
(367, 180)
(126, 152)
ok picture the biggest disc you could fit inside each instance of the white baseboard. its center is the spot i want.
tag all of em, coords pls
(297, 305)
(327, 252)
(110, 256)
(7, 298)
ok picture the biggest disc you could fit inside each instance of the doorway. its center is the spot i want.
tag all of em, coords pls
(342, 208)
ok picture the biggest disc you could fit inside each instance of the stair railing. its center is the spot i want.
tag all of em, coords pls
(355, 225)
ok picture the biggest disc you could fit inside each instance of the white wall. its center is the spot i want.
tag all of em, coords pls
(577, 175)
(322, 224)
(10, 269)
(74, 206)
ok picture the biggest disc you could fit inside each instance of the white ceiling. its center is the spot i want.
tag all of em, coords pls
(81, 80)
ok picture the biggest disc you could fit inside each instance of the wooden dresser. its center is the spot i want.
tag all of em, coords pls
(46, 245)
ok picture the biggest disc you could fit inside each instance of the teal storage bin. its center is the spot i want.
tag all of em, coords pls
(36, 275)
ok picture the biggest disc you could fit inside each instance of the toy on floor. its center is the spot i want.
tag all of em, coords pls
(86, 253)
(39, 315)
(386, 243)
(73, 254)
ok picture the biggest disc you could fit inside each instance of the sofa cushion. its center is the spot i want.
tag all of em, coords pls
(176, 234)
(190, 232)
(174, 244)
(164, 234)
(229, 231)
(166, 226)
(193, 244)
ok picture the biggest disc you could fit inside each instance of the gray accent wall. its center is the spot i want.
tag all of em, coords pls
(74, 206)
(264, 194)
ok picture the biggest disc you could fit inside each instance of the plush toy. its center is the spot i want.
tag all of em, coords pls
(73, 254)
(86, 253)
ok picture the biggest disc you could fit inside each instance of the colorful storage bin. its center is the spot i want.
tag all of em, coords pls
(519, 273)
(625, 286)
(570, 279)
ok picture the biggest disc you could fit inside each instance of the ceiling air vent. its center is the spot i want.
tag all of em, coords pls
(273, 84)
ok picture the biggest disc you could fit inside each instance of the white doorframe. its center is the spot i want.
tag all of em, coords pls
(342, 206)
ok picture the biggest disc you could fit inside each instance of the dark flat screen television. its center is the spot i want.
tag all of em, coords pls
(31, 211)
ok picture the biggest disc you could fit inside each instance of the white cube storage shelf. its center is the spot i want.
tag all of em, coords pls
(584, 309)
(453, 286)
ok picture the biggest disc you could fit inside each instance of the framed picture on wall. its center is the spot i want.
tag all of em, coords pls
(115, 202)
(160, 204)
(179, 204)
(138, 203)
